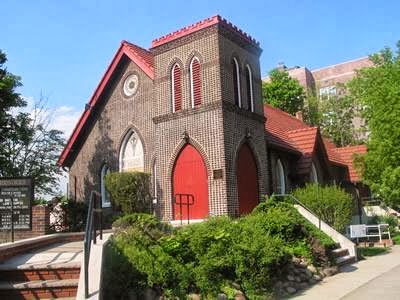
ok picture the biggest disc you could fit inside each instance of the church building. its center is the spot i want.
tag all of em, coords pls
(189, 111)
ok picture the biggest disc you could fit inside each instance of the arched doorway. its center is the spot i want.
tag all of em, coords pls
(190, 177)
(247, 180)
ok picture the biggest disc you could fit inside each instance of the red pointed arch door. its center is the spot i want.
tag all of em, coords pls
(190, 177)
(247, 180)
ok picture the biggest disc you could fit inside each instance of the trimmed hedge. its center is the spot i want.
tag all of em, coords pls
(130, 191)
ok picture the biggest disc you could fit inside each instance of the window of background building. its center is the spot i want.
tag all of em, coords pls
(327, 92)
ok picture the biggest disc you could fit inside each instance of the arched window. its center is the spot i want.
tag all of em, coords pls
(176, 81)
(131, 153)
(195, 82)
(155, 196)
(314, 174)
(249, 88)
(280, 178)
(105, 196)
(236, 82)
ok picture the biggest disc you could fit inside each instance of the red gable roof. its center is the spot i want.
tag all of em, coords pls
(201, 25)
(141, 57)
(288, 132)
(347, 154)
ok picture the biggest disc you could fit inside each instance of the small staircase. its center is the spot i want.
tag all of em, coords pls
(51, 273)
(342, 256)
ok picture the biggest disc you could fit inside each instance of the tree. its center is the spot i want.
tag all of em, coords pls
(28, 147)
(337, 120)
(283, 92)
(377, 90)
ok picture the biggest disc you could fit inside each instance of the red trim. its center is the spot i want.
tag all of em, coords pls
(139, 56)
(201, 25)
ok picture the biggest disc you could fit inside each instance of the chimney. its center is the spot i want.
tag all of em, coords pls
(299, 115)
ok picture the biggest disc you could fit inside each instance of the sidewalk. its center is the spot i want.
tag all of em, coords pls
(351, 282)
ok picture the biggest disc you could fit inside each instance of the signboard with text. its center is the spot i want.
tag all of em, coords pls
(16, 194)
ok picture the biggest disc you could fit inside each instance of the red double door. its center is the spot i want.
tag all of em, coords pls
(190, 178)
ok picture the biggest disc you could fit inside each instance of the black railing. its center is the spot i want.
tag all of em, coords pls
(297, 201)
(184, 200)
(94, 221)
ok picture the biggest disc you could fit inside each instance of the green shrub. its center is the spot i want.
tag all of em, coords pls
(130, 191)
(392, 221)
(75, 215)
(370, 251)
(330, 203)
(116, 264)
(215, 255)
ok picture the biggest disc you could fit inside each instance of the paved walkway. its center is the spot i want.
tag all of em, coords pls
(377, 277)
(50, 256)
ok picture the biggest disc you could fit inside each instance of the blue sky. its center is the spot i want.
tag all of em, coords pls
(62, 48)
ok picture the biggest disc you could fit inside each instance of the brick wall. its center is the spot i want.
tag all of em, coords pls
(40, 225)
(216, 128)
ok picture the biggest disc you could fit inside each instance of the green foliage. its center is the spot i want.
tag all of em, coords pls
(75, 215)
(396, 238)
(370, 251)
(338, 113)
(330, 203)
(312, 113)
(130, 191)
(377, 90)
(283, 92)
(209, 257)
(27, 146)
(40, 201)
(392, 221)
(115, 264)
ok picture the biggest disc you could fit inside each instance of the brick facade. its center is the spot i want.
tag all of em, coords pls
(216, 128)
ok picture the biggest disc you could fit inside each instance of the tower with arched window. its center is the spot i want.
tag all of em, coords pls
(189, 112)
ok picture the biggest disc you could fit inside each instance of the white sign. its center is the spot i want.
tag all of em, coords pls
(357, 231)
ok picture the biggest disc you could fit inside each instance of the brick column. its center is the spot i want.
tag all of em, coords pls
(40, 220)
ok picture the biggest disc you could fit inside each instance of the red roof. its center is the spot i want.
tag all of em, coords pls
(286, 131)
(347, 154)
(201, 25)
(141, 57)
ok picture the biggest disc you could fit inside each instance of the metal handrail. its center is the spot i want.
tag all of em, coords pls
(94, 209)
(303, 205)
(179, 201)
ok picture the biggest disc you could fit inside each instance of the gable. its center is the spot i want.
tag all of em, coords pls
(141, 57)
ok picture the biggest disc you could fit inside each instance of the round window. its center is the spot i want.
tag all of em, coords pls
(131, 84)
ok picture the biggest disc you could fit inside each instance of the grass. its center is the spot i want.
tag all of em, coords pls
(371, 251)
(396, 239)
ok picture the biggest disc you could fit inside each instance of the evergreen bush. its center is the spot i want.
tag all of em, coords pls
(130, 191)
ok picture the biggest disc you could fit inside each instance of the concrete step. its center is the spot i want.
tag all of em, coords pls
(39, 289)
(339, 252)
(345, 260)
